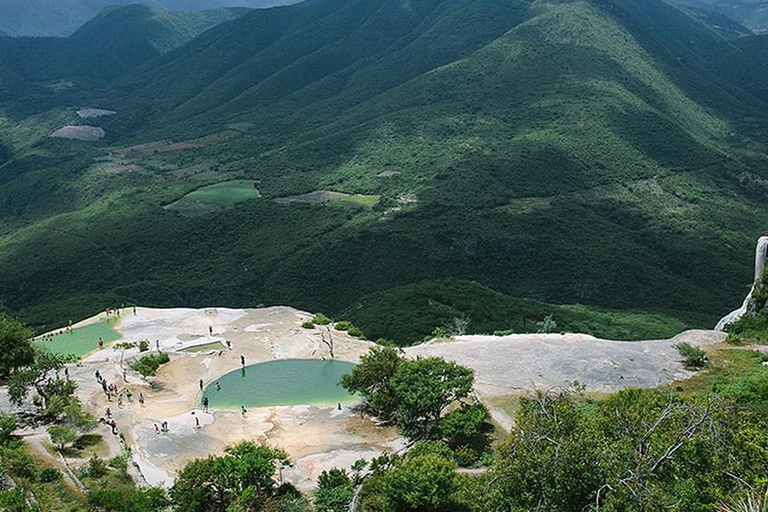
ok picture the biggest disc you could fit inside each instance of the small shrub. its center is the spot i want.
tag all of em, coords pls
(119, 463)
(49, 475)
(143, 346)
(693, 357)
(343, 325)
(321, 319)
(466, 456)
(547, 325)
(308, 324)
(96, 467)
(149, 364)
(7, 426)
(357, 333)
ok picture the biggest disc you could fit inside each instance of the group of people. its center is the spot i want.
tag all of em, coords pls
(110, 389)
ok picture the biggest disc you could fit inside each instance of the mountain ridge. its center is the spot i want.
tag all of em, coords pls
(567, 152)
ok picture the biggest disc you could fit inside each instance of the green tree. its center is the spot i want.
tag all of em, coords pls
(334, 491)
(36, 375)
(127, 498)
(465, 422)
(425, 479)
(16, 350)
(244, 474)
(423, 389)
(61, 435)
(547, 325)
(371, 379)
(7, 426)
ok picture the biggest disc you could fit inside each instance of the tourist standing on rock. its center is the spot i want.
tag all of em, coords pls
(141, 398)
(205, 404)
(242, 410)
(242, 361)
(210, 330)
(197, 422)
(201, 384)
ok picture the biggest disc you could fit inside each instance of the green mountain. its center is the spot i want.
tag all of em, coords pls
(744, 62)
(106, 47)
(60, 18)
(752, 13)
(565, 151)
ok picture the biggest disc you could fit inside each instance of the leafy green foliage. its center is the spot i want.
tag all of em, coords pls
(424, 389)
(16, 349)
(408, 314)
(244, 473)
(149, 363)
(694, 357)
(7, 426)
(464, 423)
(127, 498)
(416, 393)
(334, 491)
(424, 479)
(55, 393)
(62, 435)
(371, 379)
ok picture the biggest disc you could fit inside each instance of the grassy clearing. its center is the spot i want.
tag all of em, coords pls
(726, 366)
(360, 201)
(220, 195)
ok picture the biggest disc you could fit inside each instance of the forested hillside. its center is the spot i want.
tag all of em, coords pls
(569, 152)
(752, 13)
(63, 17)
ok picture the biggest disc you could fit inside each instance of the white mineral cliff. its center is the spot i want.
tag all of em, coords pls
(760, 254)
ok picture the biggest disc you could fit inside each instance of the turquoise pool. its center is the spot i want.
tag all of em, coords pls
(82, 340)
(283, 382)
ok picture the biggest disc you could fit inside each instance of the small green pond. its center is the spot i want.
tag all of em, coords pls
(284, 382)
(81, 340)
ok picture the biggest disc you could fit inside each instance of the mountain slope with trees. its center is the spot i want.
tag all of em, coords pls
(61, 18)
(568, 152)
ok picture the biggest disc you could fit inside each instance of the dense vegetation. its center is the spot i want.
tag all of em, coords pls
(62, 17)
(751, 13)
(106, 47)
(408, 314)
(574, 152)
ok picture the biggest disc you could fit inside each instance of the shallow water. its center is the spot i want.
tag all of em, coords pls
(284, 382)
(82, 340)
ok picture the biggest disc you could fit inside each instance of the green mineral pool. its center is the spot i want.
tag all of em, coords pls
(283, 382)
(81, 340)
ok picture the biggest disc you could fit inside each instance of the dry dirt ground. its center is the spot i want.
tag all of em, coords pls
(317, 437)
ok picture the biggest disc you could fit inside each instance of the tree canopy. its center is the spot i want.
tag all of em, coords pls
(16, 350)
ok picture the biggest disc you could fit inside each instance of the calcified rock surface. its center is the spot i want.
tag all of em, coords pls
(761, 250)
(319, 437)
(86, 113)
(85, 132)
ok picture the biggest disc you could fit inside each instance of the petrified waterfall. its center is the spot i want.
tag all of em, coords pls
(760, 255)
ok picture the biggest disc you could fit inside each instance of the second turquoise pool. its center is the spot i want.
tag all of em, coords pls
(283, 382)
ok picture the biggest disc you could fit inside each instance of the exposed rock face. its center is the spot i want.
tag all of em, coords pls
(761, 250)
(79, 132)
